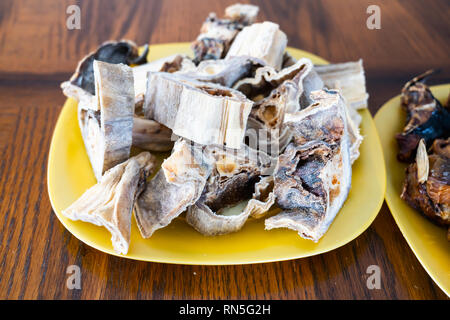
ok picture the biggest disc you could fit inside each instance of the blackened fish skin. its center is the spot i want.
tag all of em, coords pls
(112, 52)
(436, 127)
(426, 118)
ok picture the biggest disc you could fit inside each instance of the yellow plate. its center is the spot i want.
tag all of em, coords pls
(427, 241)
(70, 174)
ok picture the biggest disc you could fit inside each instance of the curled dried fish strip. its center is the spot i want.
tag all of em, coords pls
(267, 79)
(110, 202)
(225, 72)
(313, 176)
(177, 186)
(210, 223)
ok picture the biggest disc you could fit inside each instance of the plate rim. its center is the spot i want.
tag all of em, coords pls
(404, 231)
(232, 261)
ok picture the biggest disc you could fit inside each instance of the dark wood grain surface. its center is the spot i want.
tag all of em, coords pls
(37, 52)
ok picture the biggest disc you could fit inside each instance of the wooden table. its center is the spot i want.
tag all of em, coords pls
(37, 52)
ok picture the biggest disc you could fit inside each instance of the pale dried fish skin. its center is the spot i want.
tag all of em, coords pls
(107, 126)
(177, 186)
(201, 112)
(313, 176)
(349, 79)
(263, 198)
(264, 41)
(109, 203)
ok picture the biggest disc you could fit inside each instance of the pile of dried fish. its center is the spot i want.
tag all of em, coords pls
(427, 183)
(250, 129)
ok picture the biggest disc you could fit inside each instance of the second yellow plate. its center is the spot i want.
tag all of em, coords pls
(427, 241)
(70, 174)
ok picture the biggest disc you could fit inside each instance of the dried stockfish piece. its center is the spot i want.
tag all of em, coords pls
(106, 126)
(266, 119)
(349, 79)
(354, 135)
(110, 202)
(431, 194)
(205, 221)
(426, 118)
(264, 41)
(267, 78)
(267, 115)
(235, 178)
(151, 135)
(175, 187)
(263, 198)
(205, 113)
(234, 175)
(171, 64)
(82, 82)
(438, 182)
(217, 34)
(313, 176)
(225, 72)
(244, 14)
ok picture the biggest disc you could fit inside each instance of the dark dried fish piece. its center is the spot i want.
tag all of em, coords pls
(432, 196)
(204, 220)
(115, 52)
(313, 176)
(426, 118)
(217, 34)
(235, 178)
